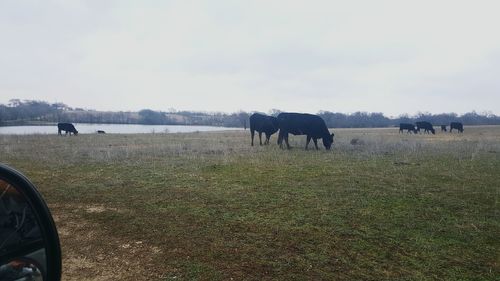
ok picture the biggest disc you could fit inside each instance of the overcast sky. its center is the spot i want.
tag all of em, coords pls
(343, 56)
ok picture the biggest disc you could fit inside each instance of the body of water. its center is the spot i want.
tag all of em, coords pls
(83, 128)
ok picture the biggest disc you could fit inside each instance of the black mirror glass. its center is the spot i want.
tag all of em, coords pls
(29, 245)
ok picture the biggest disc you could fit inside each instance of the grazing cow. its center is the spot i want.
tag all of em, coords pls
(263, 124)
(426, 126)
(456, 125)
(312, 126)
(67, 127)
(408, 127)
(443, 128)
(101, 132)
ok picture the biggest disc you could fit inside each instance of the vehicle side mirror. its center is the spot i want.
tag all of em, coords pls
(29, 244)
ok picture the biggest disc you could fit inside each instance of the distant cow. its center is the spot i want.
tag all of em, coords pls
(456, 125)
(408, 127)
(101, 132)
(67, 127)
(312, 126)
(426, 126)
(443, 128)
(263, 124)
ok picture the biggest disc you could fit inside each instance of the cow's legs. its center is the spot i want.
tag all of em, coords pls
(283, 135)
(308, 140)
(316, 143)
(260, 138)
(59, 132)
(252, 133)
(286, 141)
(268, 137)
(280, 138)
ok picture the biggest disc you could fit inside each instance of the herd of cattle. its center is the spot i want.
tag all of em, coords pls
(313, 126)
(428, 128)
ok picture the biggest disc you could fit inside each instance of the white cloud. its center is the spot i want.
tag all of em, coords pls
(384, 56)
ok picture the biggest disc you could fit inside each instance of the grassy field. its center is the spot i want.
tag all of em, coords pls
(208, 206)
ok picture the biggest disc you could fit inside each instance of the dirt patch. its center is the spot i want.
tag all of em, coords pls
(92, 253)
(99, 209)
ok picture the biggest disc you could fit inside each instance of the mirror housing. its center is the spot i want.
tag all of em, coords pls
(43, 255)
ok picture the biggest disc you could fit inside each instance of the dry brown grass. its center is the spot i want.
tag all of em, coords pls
(208, 206)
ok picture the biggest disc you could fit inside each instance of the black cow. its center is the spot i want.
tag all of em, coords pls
(304, 124)
(456, 125)
(67, 127)
(263, 124)
(443, 128)
(408, 127)
(101, 132)
(426, 126)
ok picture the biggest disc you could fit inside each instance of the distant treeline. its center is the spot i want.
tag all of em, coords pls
(366, 120)
(34, 112)
(19, 112)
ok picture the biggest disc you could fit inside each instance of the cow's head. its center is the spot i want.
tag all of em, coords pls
(328, 141)
(433, 131)
(75, 132)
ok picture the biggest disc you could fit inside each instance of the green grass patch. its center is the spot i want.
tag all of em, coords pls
(214, 208)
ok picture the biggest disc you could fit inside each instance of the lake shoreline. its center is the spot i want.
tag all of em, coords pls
(92, 128)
